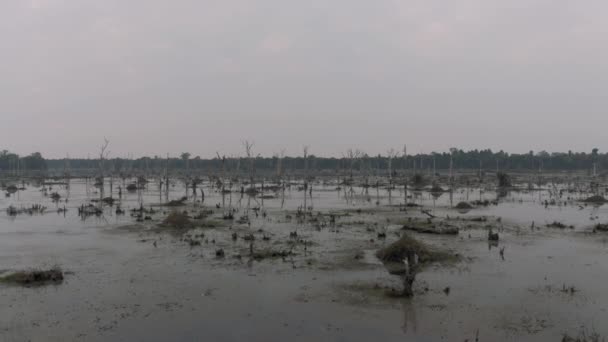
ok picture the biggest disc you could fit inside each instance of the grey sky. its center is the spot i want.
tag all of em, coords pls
(201, 75)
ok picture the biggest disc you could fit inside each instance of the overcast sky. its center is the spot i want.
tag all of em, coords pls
(167, 76)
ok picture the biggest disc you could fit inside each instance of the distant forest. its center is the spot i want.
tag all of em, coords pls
(358, 161)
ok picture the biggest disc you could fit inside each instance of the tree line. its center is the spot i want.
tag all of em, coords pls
(12, 161)
(361, 162)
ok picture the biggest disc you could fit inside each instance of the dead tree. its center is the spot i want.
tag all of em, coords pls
(185, 156)
(405, 172)
(305, 152)
(452, 150)
(352, 156)
(391, 154)
(222, 159)
(280, 170)
(249, 153)
(167, 179)
(103, 155)
(364, 169)
(409, 277)
(305, 167)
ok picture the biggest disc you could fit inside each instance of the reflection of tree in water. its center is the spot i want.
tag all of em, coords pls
(410, 321)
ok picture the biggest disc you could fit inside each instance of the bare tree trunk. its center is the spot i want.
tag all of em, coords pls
(167, 180)
(249, 152)
(405, 173)
(103, 154)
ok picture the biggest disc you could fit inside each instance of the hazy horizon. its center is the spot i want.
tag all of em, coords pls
(398, 153)
(158, 77)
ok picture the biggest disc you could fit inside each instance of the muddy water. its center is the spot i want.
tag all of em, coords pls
(120, 287)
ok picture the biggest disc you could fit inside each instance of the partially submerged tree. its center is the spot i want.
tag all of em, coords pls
(390, 154)
(185, 156)
(352, 156)
(305, 150)
(103, 156)
(280, 158)
(250, 157)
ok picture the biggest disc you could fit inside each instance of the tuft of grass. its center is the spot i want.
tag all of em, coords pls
(212, 224)
(430, 227)
(595, 199)
(399, 250)
(34, 277)
(177, 219)
(602, 227)
(557, 224)
(270, 254)
(177, 203)
(463, 206)
(584, 336)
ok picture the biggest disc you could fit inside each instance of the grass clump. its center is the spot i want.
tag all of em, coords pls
(584, 337)
(406, 257)
(34, 277)
(400, 249)
(603, 227)
(418, 180)
(463, 206)
(177, 203)
(212, 224)
(559, 225)
(437, 189)
(595, 199)
(429, 227)
(270, 254)
(178, 219)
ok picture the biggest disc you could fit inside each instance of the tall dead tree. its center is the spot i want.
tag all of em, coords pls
(103, 155)
(305, 153)
(305, 150)
(405, 172)
(222, 160)
(185, 156)
(391, 153)
(352, 156)
(167, 179)
(280, 157)
(249, 153)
